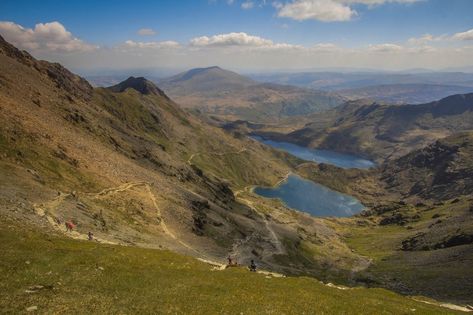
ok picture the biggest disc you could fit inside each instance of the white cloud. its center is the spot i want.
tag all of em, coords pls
(468, 35)
(146, 32)
(322, 10)
(426, 38)
(241, 41)
(378, 2)
(247, 5)
(230, 39)
(421, 40)
(276, 4)
(325, 47)
(385, 48)
(153, 45)
(425, 49)
(326, 10)
(51, 36)
(238, 50)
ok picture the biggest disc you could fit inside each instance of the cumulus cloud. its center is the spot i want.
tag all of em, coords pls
(153, 45)
(385, 48)
(247, 5)
(325, 47)
(322, 10)
(146, 32)
(241, 41)
(326, 10)
(425, 39)
(468, 35)
(421, 40)
(230, 39)
(51, 36)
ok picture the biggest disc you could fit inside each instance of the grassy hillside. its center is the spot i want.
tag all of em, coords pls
(59, 275)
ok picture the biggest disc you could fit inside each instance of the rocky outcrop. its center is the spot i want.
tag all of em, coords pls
(440, 171)
(421, 242)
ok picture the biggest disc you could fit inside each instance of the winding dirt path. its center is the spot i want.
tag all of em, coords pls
(275, 240)
(48, 210)
(163, 223)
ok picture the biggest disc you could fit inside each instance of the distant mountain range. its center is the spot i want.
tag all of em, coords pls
(231, 96)
(405, 93)
(353, 80)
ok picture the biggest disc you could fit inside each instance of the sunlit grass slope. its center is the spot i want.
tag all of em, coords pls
(81, 277)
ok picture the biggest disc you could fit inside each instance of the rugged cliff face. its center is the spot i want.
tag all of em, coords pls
(441, 171)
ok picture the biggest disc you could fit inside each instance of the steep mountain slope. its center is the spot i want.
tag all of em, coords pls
(384, 132)
(440, 171)
(405, 93)
(228, 95)
(129, 165)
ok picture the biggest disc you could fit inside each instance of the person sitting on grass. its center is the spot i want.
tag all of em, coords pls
(252, 266)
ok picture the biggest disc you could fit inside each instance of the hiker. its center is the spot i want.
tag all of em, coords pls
(252, 266)
(90, 236)
(229, 260)
(69, 226)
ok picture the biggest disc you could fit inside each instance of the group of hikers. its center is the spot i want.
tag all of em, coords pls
(70, 225)
(233, 263)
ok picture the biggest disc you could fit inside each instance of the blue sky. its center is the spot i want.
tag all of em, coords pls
(350, 27)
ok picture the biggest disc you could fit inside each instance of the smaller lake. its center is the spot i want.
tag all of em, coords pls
(307, 196)
(319, 156)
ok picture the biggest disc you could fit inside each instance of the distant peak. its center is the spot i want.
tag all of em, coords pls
(140, 84)
(210, 74)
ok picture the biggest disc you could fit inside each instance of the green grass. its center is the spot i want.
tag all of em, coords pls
(376, 242)
(141, 281)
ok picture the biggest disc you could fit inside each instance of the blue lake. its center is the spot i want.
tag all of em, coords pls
(307, 196)
(319, 156)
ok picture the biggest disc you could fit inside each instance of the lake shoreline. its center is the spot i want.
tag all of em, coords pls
(319, 156)
(305, 195)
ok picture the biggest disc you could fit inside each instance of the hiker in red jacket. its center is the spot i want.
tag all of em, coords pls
(70, 226)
